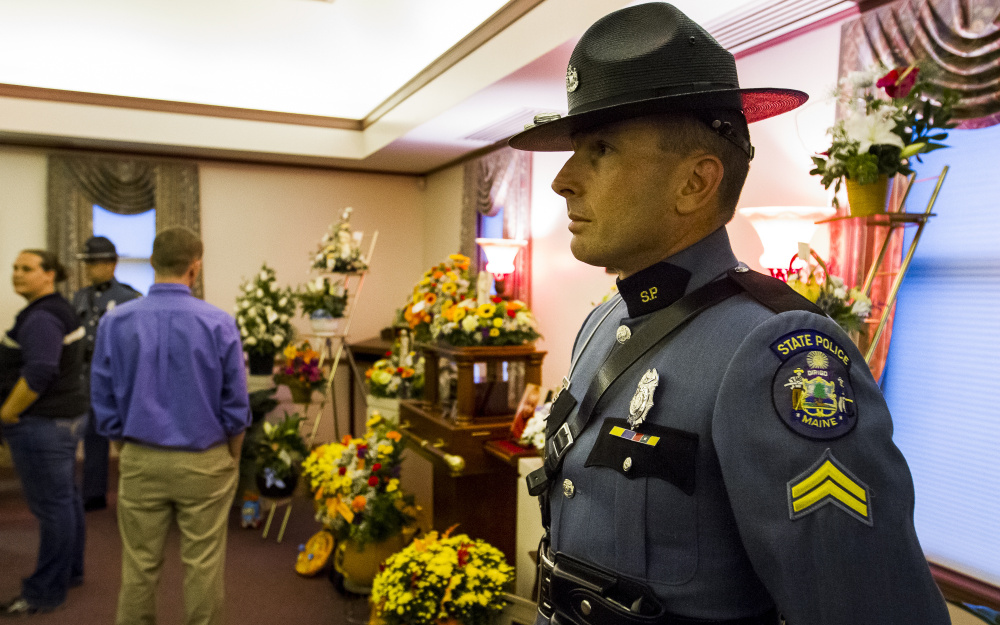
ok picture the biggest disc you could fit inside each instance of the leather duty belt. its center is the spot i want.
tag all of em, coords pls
(562, 430)
(573, 592)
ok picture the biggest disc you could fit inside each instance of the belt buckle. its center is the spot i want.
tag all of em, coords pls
(560, 442)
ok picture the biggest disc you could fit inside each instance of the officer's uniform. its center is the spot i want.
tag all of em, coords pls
(90, 304)
(727, 501)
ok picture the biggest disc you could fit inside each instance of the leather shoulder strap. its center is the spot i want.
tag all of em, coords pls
(772, 292)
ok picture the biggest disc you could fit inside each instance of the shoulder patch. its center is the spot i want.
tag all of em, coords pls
(828, 481)
(811, 389)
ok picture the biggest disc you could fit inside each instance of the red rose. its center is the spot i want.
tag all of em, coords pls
(898, 82)
(341, 470)
(496, 299)
(463, 555)
(511, 313)
(388, 354)
(376, 466)
(373, 481)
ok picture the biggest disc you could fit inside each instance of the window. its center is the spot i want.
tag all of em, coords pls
(133, 238)
(940, 379)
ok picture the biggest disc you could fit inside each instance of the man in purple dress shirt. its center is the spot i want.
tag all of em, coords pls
(168, 383)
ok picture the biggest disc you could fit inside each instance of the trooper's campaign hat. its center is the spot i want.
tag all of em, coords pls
(649, 59)
(97, 249)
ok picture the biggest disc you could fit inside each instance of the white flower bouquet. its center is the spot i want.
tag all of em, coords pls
(264, 312)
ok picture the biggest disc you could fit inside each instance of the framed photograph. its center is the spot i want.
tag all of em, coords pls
(525, 410)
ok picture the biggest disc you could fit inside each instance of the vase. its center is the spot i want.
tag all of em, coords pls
(867, 199)
(323, 324)
(261, 364)
(388, 407)
(301, 394)
(277, 492)
(360, 565)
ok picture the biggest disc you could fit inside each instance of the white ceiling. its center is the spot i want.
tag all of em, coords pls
(387, 85)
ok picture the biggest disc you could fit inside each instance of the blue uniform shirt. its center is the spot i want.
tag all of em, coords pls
(168, 371)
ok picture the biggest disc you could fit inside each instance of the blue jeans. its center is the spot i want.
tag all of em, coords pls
(44, 453)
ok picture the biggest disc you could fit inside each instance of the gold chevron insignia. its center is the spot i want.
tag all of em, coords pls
(828, 481)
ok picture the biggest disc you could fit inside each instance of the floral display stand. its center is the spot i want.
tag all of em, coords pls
(877, 262)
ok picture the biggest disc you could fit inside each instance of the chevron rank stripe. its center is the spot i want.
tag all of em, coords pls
(828, 481)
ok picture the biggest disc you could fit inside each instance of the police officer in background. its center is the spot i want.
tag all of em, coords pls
(91, 302)
(719, 451)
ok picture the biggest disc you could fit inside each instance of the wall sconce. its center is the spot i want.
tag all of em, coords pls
(500, 254)
(780, 229)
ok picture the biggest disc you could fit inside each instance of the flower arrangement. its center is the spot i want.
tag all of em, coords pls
(445, 282)
(301, 369)
(339, 249)
(848, 307)
(441, 579)
(322, 294)
(395, 374)
(280, 450)
(355, 483)
(496, 322)
(264, 312)
(891, 116)
(534, 430)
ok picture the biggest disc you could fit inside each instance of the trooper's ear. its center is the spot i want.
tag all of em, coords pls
(700, 187)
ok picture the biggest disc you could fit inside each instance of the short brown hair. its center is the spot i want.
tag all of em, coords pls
(174, 250)
(50, 262)
(686, 133)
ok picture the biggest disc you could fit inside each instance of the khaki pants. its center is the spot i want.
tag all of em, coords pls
(157, 487)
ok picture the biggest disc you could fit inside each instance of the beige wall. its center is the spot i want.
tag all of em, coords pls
(22, 218)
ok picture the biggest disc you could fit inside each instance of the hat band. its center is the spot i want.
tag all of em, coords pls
(689, 89)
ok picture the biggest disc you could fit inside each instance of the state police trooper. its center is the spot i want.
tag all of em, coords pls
(719, 451)
(104, 292)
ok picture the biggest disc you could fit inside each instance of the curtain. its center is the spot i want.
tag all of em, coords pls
(122, 185)
(958, 41)
(502, 178)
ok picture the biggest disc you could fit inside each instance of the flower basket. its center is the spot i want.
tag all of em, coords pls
(275, 491)
(867, 199)
(324, 326)
(359, 564)
(446, 579)
(261, 364)
(300, 394)
(388, 407)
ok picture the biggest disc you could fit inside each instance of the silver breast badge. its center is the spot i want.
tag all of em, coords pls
(642, 401)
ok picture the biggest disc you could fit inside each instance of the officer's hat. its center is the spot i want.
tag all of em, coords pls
(649, 59)
(98, 249)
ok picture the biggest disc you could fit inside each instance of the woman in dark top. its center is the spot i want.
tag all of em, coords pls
(43, 414)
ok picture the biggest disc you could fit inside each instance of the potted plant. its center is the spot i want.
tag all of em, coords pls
(355, 483)
(322, 300)
(339, 250)
(445, 282)
(280, 451)
(441, 579)
(397, 376)
(890, 117)
(849, 307)
(263, 315)
(301, 372)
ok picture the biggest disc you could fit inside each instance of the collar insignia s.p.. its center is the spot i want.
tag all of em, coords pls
(811, 389)
(642, 401)
(828, 481)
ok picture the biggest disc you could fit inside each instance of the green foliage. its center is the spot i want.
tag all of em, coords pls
(281, 447)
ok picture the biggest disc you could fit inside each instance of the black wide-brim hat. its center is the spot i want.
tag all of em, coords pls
(644, 60)
(98, 249)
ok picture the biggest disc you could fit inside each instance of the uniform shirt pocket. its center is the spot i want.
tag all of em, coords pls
(657, 452)
(664, 459)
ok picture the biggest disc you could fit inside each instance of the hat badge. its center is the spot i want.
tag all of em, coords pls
(572, 79)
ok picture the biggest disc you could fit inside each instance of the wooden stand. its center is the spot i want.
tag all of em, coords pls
(472, 488)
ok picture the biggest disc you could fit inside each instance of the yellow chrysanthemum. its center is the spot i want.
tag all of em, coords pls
(449, 288)
(494, 332)
(498, 322)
